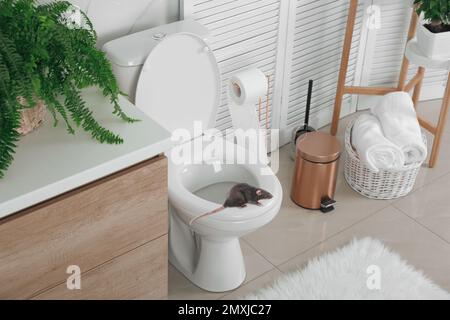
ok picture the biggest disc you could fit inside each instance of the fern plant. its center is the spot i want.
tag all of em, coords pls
(45, 56)
(436, 12)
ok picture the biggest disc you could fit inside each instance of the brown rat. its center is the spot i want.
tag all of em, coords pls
(239, 196)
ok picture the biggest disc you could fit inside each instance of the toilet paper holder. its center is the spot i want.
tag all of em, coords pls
(238, 92)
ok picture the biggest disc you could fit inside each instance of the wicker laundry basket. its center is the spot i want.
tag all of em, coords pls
(31, 118)
(383, 185)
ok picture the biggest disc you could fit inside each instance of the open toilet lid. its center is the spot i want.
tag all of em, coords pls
(180, 83)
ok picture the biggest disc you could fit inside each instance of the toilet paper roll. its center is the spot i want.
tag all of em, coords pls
(248, 86)
(245, 89)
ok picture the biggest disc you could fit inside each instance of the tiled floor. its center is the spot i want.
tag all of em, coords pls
(416, 226)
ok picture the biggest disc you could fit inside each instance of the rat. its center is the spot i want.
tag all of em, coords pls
(239, 196)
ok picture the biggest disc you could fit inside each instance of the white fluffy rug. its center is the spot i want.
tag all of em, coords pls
(364, 269)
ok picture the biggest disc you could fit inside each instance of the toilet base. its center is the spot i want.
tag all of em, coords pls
(215, 265)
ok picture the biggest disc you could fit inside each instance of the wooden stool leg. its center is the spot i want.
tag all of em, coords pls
(440, 125)
(405, 63)
(403, 74)
(344, 65)
(418, 87)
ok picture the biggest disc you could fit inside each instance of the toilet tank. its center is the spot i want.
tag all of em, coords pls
(128, 54)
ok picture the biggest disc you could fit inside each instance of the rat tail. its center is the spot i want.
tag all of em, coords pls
(206, 214)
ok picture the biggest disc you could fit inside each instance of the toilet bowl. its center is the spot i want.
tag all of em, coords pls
(208, 253)
(173, 76)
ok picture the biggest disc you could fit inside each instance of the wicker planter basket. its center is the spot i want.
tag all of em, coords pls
(383, 185)
(31, 118)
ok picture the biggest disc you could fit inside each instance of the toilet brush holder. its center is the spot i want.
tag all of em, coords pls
(305, 128)
(296, 133)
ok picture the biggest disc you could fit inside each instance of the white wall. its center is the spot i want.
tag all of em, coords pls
(115, 18)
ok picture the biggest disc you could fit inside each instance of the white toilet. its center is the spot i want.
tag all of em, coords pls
(172, 75)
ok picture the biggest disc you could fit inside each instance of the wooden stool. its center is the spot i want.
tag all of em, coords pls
(412, 54)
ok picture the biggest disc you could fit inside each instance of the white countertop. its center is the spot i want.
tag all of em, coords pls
(49, 161)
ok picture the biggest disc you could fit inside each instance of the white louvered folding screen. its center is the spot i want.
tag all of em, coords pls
(317, 30)
(297, 40)
(244, 33)
(385, 50)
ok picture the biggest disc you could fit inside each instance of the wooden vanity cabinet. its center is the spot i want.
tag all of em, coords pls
(114, 229)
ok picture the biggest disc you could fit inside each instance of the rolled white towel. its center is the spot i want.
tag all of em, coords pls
(398, 119)
(373, 148)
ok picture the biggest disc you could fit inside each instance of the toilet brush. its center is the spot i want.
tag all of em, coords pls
(298, 131)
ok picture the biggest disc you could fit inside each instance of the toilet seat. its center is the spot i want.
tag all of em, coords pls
(181, 195)
(180, 84)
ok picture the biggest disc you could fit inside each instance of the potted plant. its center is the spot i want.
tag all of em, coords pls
(46, 58)
(433, 37)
